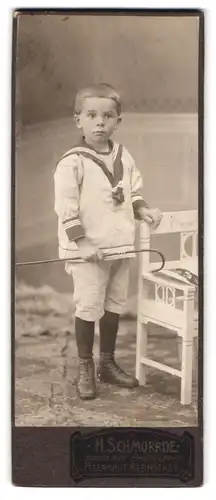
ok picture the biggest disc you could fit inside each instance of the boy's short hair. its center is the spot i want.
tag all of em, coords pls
(98, 90)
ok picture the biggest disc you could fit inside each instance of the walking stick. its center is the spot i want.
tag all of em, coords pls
(79, 260)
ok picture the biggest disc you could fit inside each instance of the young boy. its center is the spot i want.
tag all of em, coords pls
(97, 199)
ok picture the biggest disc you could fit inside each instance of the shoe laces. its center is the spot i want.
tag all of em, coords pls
(86, 368)
(109, 359)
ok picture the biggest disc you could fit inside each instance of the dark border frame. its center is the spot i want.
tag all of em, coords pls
(38, 451)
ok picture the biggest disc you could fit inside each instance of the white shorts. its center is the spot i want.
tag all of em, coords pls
(99, 286)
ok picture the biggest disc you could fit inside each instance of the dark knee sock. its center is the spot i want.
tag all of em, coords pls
(84, 332)
(108, 332)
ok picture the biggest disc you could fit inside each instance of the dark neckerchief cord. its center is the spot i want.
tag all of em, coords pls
(114, 178)
(78, 260)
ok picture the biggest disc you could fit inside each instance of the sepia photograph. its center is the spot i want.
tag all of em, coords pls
(106, 226)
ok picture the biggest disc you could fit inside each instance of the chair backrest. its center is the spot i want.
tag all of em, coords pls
(183, 222)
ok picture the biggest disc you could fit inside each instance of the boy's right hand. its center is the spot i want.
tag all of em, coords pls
(88, 252)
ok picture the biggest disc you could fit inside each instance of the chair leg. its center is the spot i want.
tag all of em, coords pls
(187, 368)
(141, 350)
(179, 349)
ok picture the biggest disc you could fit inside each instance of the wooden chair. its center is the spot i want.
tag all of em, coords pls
(168, 301)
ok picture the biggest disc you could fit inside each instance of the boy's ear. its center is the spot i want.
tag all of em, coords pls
(119, 120)
(77, 120)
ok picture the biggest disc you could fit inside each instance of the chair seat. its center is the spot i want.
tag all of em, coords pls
(185, 275)
(168, 279)
(163, 302)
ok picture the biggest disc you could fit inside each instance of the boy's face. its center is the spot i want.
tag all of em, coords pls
(98, 119)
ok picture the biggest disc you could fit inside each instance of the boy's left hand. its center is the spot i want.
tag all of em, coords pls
(151, 216)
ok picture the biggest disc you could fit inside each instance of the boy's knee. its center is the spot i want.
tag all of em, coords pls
(114, 307)
(89, 312)
(90, 315)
